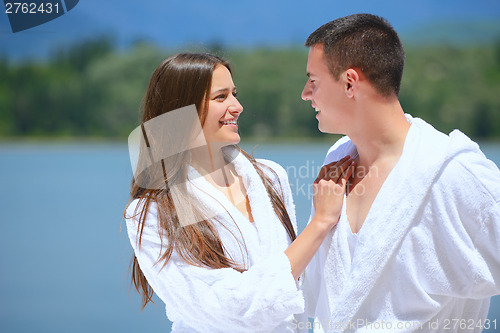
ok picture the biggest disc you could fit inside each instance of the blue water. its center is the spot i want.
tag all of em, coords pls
(63, 256)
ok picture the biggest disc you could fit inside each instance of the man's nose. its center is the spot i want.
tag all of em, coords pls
(306, 92)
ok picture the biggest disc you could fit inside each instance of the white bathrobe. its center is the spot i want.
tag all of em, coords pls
(261, 299)
(427, 257)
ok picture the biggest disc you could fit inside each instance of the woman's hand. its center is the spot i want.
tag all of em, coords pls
(329, 189)
(328, 194)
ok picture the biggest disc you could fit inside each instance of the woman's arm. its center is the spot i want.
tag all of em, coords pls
(328, 194)
(218, 300)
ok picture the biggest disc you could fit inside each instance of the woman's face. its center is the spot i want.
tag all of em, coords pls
(221, 123)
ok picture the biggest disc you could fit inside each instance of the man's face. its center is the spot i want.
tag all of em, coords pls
(326, 94)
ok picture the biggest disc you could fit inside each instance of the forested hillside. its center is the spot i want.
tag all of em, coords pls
(95, 90)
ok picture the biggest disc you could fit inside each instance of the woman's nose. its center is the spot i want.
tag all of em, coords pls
(235, 106)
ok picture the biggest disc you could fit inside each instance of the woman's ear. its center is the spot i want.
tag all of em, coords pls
(351, 80)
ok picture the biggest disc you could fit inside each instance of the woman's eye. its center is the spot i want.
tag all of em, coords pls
(221, 97)
(235, 94)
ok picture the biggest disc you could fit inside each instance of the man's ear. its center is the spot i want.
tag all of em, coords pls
(351, 81)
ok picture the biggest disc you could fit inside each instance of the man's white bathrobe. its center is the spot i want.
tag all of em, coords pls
(427, 257)
(261, 299)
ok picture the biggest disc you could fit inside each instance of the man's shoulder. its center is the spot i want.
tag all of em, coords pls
(339, 149)
(467, 170)
(474, 171)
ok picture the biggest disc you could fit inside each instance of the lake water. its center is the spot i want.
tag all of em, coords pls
(64, 252)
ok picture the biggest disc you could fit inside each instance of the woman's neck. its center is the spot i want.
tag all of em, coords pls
(212, 164)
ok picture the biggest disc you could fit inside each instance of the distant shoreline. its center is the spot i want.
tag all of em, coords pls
(250, 140)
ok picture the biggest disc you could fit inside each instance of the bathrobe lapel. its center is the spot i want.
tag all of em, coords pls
(265, 219)
(262, 234)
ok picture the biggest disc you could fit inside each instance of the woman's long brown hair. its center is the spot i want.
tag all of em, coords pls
(182, 80)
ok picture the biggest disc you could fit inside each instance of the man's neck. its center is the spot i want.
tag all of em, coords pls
(379, 132)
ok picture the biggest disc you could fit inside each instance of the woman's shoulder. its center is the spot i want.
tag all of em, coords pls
(273, 169)
(136, 209)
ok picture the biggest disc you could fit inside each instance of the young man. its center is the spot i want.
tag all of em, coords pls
(417, 247)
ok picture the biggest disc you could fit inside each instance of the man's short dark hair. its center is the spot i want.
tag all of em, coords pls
(365, 42)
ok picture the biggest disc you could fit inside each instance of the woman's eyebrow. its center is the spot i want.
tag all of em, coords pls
(222, 90)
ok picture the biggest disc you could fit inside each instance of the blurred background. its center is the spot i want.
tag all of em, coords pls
(71, 90)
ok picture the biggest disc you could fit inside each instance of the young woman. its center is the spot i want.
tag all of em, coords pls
(213, 229)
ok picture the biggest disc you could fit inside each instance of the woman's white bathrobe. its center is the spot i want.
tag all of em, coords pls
(427, 258)
(261, 299)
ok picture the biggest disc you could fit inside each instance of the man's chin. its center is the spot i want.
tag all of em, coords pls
(322, 129)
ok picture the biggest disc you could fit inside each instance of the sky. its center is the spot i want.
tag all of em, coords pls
(236, 24)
